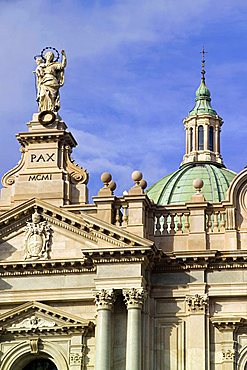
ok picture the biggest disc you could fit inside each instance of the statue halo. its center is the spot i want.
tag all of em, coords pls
(49, 48)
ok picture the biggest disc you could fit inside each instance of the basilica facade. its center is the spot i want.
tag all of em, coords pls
(151, 280)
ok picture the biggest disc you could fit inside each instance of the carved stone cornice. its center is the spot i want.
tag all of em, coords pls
(134, 297)
(206, 260)
(197, 303)
(229, 323)
(48, 267)
(104, 299)
(51, 135)
(120, 255)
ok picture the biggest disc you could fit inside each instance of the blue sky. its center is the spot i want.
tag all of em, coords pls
(133, 68)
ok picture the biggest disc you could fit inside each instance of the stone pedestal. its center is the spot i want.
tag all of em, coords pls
(46, 170)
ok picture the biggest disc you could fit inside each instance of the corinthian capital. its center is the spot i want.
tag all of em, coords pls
(104, 298)
(134, 297)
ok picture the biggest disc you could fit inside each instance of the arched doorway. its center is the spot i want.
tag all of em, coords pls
(40, 364)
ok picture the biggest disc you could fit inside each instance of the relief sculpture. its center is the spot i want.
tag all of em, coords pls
(37, 238)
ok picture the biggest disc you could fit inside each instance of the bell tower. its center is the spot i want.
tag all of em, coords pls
(203, 126)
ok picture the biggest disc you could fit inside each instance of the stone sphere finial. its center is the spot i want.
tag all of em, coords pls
(106, 178)
(143, 184)
(136, 176)
(112, 185)
(198, 184)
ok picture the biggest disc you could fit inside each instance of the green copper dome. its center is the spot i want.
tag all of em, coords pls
(203, 101)
(178, 186)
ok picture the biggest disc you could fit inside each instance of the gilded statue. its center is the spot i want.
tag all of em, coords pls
(49, 78)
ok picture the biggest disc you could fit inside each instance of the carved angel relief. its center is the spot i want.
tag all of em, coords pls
(34, 322)
(37, 238)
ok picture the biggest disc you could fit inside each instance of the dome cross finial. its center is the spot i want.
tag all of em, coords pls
(203, 72)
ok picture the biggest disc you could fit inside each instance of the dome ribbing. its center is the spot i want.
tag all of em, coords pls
(178, 186)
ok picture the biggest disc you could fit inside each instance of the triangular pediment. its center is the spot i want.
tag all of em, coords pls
(94, 232)
(35, 317)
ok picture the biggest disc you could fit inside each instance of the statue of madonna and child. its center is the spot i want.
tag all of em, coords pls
(49, 78)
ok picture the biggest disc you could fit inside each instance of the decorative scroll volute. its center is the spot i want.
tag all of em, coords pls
(8, 178)
(78, 174)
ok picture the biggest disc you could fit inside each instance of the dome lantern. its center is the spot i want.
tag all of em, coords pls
(203, 127)
(202, 159)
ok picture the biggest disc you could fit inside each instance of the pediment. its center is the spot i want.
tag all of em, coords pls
(36, 318)
(94, 232)
(78, 239)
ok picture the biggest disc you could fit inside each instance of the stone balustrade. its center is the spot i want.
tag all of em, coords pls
(121, 213)
(170, 222)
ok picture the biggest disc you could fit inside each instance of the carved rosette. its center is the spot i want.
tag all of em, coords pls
(134, 297)
(104, 299)
(197, 303)
(78, 358)
(37, 238)
(228, 355)
(9, 178)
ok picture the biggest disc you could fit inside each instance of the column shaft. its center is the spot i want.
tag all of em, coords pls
(103, 340)
(134, 299)
(133, 350)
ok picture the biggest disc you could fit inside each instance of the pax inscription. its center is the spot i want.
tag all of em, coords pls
(42, 158)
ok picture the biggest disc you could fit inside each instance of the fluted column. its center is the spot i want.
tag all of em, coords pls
(104, 300)
(134, 299)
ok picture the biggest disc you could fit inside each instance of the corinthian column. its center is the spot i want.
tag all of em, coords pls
(134, 299)
(104, 300)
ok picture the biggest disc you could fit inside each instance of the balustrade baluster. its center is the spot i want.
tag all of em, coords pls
(172, 224)
(186, 223)
(125, 215)
(222, 221)
(157, 225)
(209, 221)
(118, 217)
(165, 225)
(179, 224)
(216, 221)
